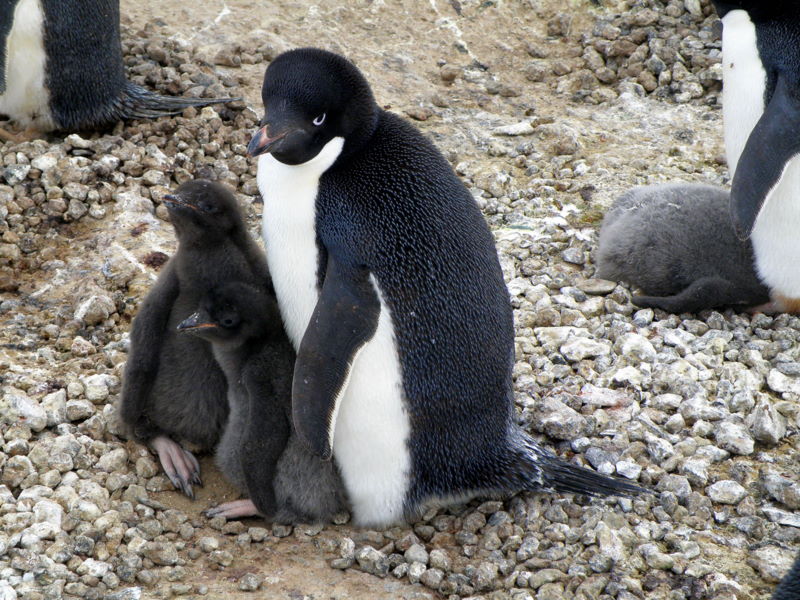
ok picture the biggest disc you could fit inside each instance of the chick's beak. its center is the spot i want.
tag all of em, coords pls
(194, 321)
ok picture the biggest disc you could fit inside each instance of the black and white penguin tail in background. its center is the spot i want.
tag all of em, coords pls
(539, 470)
(135, 102)
(61, 68)
(773, 143)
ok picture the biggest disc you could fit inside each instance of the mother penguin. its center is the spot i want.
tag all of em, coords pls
(390, 289)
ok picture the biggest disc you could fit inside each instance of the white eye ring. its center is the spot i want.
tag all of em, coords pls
(319, 120)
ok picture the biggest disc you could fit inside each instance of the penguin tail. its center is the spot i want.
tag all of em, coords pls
(547, 472)
(135, 102)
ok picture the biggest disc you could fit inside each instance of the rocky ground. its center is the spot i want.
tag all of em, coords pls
(547, 109)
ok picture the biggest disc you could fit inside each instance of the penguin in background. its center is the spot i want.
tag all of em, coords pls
(761, 112)
(173, 388)
(789, 587)
(676, 243)
(258, 452)
(61, 68)
(391, 291)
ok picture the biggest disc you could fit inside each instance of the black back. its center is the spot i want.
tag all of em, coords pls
(395, 206)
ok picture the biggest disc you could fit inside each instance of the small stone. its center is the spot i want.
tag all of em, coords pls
(81, 347)
(250, 582)
(372, 561)
(597, 287)
(772, 562)
(726, 491)
(523, 128)
(734, 438)
(161, 553)
(768, 426)
(416, 553)
(415, 572)
(432, 578)
(208, 544)
(581, 348)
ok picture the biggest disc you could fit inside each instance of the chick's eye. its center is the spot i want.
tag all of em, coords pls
(227, 322)
(319, 120)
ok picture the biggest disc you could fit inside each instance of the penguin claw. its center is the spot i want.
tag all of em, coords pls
(179, 464)
(236, 509)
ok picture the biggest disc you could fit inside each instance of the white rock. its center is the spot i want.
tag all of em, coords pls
(523, 128)
(635, 346)
(55, 407)
(581, 348)
(726, 491)
(734, 438)
(16, 407)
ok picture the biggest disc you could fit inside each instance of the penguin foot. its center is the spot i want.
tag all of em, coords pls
(27, 135)
(179, 464)
(233, 510)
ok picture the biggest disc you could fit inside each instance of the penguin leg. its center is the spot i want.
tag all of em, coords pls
(344, 320)
(706, 292)
(29, 134)
(236, 509)
(179, 464)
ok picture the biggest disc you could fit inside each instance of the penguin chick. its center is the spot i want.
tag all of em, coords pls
(391, 291)
(172, 386)
(61, 68)
(257, 451)
(677, 244)
(789, 587)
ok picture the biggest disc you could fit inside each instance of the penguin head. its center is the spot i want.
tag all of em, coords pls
(204, 207)
(233, 313)
(312, 96)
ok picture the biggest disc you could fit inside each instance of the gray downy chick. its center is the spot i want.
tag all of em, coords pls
(677, 244)
(258, 451)
(172, 386)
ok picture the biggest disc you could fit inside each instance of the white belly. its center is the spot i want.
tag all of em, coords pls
(744, 81)
(776, 243)
(26, 100)
(371, 425)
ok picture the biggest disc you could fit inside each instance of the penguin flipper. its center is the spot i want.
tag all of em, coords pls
(774, 141)
(344, 320)
(6, 23)
(266, 435)
(146, 337)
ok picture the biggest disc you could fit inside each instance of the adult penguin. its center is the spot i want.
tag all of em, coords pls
(390, 288)
(61, 69)
(761, 109)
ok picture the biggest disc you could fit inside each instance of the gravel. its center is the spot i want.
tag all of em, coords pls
(702, 409)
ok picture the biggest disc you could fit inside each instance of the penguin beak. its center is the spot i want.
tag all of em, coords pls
(173, 201)
(194, 322)
(262, 143)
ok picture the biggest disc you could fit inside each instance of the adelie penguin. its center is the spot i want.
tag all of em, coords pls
(173, 388)
(61, 69)
(676, 243)
(258, 452)
(761, 111)
(390, 288)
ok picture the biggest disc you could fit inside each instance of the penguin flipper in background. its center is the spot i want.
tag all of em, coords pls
(344, 320)
(6, 22)
(772, 143)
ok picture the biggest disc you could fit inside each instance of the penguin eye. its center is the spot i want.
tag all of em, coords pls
(227, 322)
(206, 207)
(319, 120)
